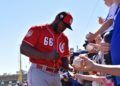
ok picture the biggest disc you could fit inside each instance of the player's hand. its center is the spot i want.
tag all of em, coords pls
(90, 36)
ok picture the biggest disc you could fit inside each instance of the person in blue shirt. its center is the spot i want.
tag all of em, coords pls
(115, 43)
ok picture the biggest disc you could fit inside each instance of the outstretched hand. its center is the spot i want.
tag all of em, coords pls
(86, 64)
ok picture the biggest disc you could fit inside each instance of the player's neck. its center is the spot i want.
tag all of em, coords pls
(55, 28)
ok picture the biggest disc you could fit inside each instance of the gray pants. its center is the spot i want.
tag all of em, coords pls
(39, 77)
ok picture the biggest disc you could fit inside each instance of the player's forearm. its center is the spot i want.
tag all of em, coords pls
(104, 27)
(33, 53)
(109, 69)
(65, 64)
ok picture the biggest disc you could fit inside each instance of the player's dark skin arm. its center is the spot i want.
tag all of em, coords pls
(65, 64)
(34, 53)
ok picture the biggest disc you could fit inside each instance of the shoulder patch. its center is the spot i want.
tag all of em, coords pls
(30, 32)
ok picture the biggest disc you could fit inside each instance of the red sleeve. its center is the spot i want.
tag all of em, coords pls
(67, 48)
(66, 53)
(32, 36)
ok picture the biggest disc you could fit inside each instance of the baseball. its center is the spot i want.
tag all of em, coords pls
(89, 47)
(76, 62)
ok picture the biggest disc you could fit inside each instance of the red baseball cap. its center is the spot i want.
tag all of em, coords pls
(66, 18)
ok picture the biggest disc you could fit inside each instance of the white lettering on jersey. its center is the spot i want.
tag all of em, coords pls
(61, 47)
(48, 41)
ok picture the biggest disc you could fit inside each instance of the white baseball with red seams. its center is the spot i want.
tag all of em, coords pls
(76, 62)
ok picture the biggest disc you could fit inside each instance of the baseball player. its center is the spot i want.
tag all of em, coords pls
(47, 49)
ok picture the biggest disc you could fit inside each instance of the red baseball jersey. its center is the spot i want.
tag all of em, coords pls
(44, 39)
